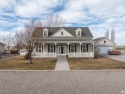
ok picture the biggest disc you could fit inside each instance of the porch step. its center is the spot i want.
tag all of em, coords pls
(61, 56)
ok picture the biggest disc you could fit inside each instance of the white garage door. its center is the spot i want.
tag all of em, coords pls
(104, 50)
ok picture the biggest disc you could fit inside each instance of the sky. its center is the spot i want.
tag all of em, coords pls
(99, 15)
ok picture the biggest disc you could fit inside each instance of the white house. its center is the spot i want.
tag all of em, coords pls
(121, 48)
(104, 45)
(68, 41)
(2, 48)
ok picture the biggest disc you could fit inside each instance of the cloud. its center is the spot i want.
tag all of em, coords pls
(36, 8)
(98, 15)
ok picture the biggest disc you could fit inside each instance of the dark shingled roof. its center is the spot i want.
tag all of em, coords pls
(97, 39)
(1, 44)
(85, 31)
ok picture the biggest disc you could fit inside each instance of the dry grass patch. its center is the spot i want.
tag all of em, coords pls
(94, 64)
(18, 63)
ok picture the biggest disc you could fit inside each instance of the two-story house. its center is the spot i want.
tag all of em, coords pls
(69, 41)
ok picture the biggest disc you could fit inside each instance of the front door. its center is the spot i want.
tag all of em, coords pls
(61, 50)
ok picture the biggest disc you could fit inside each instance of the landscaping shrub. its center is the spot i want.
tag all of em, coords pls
(96, 53)
(27, 56)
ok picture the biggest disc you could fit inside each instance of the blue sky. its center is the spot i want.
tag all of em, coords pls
(98, 15)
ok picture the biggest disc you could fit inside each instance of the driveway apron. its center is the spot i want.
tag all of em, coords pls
(116, 57)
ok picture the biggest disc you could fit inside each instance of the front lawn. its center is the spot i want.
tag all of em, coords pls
(94, 64)
(18, 63)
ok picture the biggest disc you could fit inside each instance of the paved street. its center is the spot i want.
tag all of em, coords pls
(116, 57)
(62, 82)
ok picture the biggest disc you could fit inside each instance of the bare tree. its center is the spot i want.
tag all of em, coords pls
(113, 35)
(107, 34)
(18, 41)
(7, 39)
(54, 20)
(23, 38)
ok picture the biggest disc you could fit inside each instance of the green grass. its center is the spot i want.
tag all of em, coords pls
(18, 63)
(94, 64)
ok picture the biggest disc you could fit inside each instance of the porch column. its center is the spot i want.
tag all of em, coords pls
(93, 49)
(68, 49)
(80, 48)
(55, 49)
(43, 49)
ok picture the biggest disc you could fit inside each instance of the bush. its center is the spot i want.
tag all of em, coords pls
(27, 56)
(96, 53)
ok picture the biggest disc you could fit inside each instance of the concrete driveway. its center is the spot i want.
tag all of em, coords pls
(116, 57)
(62, 82)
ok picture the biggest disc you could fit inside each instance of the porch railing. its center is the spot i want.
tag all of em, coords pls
(37, 55)
(85, 54)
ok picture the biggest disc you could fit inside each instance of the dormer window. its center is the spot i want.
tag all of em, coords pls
(45, 32)
(61, 32)
(79, 33)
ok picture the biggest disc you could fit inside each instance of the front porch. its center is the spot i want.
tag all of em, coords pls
(44, 50)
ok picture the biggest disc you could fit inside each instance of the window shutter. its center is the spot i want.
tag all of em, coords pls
(81, 48)
(54, 48)
(42, 47)
(69, 47)
(75, 47)
(87, 47)
(48, 48)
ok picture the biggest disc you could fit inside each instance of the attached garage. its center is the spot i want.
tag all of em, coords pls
(104, 50)
(103, 45)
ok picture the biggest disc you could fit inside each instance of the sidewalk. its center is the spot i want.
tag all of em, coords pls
(62, 63)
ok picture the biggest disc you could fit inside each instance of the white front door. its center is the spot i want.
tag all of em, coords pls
(62, 50)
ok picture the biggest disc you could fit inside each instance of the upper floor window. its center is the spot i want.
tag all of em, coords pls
(61, 32)
(79, 33)
(45, 32)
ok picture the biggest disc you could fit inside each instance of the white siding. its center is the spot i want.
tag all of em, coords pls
(65, 33)
(2, 49)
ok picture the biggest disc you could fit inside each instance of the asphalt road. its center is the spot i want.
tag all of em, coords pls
(62, 82)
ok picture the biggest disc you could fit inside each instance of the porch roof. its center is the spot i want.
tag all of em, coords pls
(56, 42)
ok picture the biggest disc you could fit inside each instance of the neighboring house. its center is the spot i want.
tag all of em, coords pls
(13, 50)
(104, 45)
(121, 48)
(2, 48)
(69, 41)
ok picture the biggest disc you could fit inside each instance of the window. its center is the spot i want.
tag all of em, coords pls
(45, 34)
(104, 41)
(51, 48)
(61, 32)
(39, 48)
(84, 48)
(79, 33)
(72, 48)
